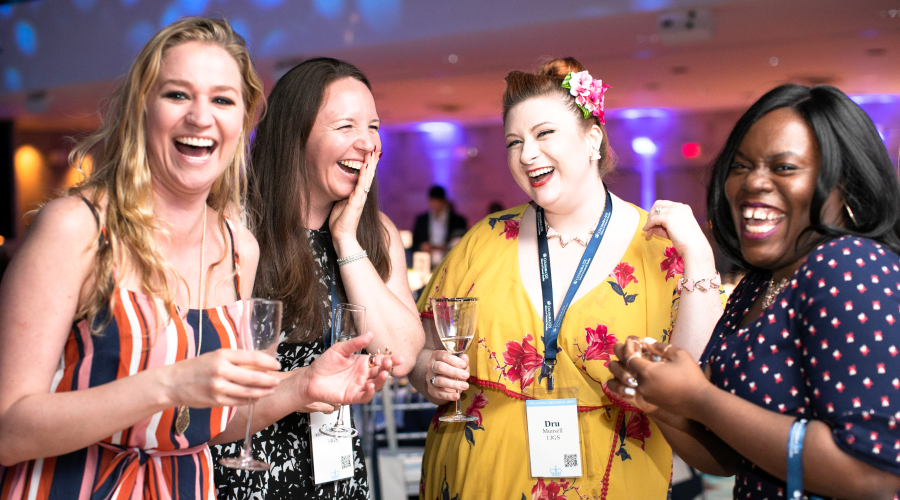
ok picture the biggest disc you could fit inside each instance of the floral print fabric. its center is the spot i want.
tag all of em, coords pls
(825, 350)
(623, 453)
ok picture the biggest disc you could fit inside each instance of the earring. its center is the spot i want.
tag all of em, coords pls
(850, 213)
(595, 153)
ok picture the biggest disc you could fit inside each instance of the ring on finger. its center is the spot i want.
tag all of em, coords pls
(432, 367)
(635, 355)
(658, 210)
(666, 349)
(367, 190)
(371, 360)
(432, 381)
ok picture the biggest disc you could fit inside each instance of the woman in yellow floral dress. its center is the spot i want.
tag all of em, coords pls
(558, 154)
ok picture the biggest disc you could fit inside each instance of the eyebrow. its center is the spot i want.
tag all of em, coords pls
(532, 128)
(771, 156)
(375, 120)
(185, 83)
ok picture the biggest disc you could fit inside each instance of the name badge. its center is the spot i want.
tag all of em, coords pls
(553, 441)
(332, 457)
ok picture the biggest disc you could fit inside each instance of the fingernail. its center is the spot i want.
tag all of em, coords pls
(656, 358)
(631, 381)
(649, 340)
(629, 391)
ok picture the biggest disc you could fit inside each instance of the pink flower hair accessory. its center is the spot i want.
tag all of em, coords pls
(588, 93)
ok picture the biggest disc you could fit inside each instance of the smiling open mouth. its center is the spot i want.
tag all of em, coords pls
(195, 147)
(351, 167)
(539, 176)
(760, 221)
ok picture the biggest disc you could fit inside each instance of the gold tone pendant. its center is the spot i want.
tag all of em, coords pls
(183, 420)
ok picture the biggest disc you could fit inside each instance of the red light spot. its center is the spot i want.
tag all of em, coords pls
(690, 150)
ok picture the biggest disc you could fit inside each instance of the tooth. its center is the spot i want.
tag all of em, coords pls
(748, 213)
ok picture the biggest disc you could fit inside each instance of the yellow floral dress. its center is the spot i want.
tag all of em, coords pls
(624, 455)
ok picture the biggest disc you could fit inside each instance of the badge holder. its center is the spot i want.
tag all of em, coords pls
(554, 443)
(332, 457)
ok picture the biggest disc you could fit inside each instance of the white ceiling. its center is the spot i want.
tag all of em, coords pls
(852, 44)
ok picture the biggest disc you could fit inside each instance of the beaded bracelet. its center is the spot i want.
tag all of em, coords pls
(704, 284)
(351, 258)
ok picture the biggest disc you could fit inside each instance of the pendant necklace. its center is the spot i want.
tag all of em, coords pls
(772, 291)
(184, 415)
(565, 239)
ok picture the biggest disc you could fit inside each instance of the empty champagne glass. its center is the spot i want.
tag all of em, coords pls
(260, 327)
(349, 321)
(455, 319)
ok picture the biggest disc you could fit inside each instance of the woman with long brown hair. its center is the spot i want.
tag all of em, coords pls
(119, 355)
(313, 205)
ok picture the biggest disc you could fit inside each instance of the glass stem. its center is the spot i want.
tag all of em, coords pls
(459, 405)
(340, 419)
(248, 440)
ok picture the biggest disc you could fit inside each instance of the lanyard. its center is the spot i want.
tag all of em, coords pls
(795, 461)
(334, 300)
(551, 324)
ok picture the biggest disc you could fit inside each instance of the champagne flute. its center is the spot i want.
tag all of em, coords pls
(455, 319)
(349, 321)
(260, 325)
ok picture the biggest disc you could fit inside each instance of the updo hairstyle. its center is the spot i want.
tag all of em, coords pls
(547, 80)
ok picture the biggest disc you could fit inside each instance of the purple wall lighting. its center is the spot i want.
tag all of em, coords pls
(443, 139)
(647, 150)
(884, 110)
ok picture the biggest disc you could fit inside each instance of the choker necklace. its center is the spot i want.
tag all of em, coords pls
(184, 414)
(772, 291)
(565, 239)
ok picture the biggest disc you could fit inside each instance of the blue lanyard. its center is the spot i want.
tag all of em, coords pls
(551, 324)
(795, 461)
(334, 299)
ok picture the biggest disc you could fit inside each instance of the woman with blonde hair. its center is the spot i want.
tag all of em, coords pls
(118, 345)
(575, 243)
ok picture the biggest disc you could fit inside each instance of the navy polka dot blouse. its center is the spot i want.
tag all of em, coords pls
(826, 349)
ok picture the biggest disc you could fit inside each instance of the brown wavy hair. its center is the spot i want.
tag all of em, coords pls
(121, 173)
(547, 80)
(279, 198)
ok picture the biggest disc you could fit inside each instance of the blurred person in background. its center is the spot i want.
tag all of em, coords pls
(436, 230)
(558, 154)
(313, 205)
(797, 391)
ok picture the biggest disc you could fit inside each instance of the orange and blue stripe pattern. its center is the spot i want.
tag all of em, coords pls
(148, 461)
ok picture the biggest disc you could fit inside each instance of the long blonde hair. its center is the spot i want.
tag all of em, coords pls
(121, 172)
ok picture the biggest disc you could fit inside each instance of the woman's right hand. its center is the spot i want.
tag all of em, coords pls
(225, 377)
(446, 375)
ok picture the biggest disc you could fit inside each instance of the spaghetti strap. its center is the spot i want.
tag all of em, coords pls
(235, 255)
(101, 240)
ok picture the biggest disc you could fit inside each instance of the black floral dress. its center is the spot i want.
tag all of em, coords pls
(286, 444)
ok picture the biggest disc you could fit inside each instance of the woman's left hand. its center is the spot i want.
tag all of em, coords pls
(345, 214)
(673, 383)
(339, 376)
(676, 222)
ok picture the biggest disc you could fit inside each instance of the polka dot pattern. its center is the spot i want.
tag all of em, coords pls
(826, 349)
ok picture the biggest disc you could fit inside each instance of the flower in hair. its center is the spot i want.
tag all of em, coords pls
(588, 93)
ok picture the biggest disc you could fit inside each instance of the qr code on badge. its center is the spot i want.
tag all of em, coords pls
(345, 462)
(570, 460)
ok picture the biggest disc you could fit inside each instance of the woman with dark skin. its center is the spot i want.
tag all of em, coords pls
(800, 197)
